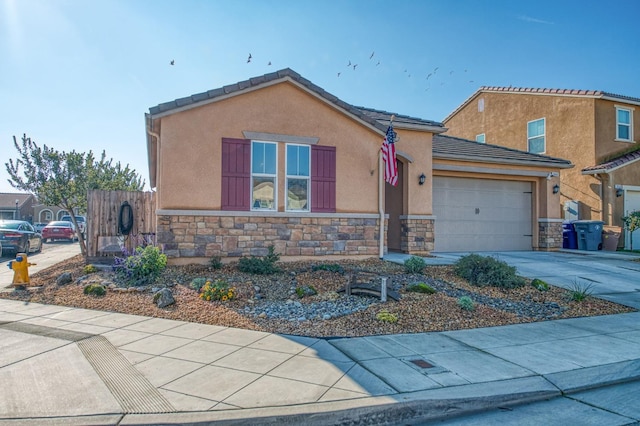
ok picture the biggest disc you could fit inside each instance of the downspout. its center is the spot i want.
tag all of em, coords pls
(381, 202)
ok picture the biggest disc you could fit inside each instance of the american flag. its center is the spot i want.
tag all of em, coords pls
(389, 157)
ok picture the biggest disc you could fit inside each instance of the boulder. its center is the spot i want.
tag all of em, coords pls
(163, 298)
(64, 278)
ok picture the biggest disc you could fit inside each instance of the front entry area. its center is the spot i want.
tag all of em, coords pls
(482, 214)
(393, 206)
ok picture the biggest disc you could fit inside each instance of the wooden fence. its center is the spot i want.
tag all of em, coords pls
(104, 239)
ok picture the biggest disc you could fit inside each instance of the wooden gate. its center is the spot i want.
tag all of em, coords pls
(104, 239)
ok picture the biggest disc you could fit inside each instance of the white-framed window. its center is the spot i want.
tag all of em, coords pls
(480, 138)
(264, 175)
(624, 124)
(298, 177)
(481, 105)
(536, 136)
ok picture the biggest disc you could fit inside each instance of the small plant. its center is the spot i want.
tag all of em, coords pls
(466, 303)
(386, 316)
(421, 288)
(217, 290)
(484, 271)
(215, 262)
(631, 222)
(260, 265)
(143, 267)
(90, 269)
(95, 290)
(331, 267)
(306, 290)
(414, 265)
(580, 291)
(198, 283)
(540, 285)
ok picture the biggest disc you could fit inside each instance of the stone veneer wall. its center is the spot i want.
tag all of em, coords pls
(198, 235)
(549, 234)
(417, 235)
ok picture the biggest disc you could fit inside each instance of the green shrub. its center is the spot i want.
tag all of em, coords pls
(306, 290)
(484, 271)
(217, 290)
(90, 269)
(580, 291)
(421, 288)
(386, 316)
(260, 265)
(414, 265)
(466, 303)
(331, 267)
(143, 267)
(540, 285)
(95, 290)
(216, 262)
(198, 283)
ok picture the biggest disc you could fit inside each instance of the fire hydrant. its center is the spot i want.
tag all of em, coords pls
(20, 268)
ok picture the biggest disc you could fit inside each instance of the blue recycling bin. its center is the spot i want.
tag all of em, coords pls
(569, 235)
(589, 234)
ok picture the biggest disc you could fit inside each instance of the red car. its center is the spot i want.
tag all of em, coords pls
(59, 230)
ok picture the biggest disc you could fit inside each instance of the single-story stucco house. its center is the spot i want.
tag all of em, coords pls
(276, 160)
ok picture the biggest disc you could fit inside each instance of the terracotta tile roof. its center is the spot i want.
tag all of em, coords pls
(449, 147)
(542, 91)
(614, 164)
(373, 117)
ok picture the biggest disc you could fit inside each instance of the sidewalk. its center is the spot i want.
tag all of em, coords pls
(61, 365)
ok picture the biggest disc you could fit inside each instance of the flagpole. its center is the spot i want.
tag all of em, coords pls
(381, 196)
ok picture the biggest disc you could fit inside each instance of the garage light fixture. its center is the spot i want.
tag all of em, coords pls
(556, 188)
(619, 192)
(421, 179)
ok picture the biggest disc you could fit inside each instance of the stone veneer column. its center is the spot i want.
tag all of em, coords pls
(549, 234)
(417, 236)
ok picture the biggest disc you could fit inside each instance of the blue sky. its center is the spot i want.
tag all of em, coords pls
(79, 74)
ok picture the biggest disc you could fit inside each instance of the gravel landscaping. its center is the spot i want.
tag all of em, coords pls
(302, 300)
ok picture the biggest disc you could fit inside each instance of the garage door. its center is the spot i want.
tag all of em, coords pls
(481, 214)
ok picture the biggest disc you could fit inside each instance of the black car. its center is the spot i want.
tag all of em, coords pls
(19, 236)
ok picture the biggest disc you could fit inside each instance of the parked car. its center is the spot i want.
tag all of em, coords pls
(82, 223)
(39, 226)
(18, 236)
(59, 230)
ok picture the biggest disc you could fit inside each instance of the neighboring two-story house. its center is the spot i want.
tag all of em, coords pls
(597, 131)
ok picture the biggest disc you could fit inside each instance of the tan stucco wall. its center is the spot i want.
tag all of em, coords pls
(606, 122)
(418, 146)
(570, 134)
(189, 174)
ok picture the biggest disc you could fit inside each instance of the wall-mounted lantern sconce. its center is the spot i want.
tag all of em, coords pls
(556, 188)
(619, 192)
(421, 179)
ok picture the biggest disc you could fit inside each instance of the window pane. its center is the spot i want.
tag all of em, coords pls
(270, 158)
(535, 128)
(263, 193)
(480, 138)
(263, 158)
(297, 160)
(623, 132)
(257, 160)
(297, 194)
(536, 145)
(623, 116)
(292, 160)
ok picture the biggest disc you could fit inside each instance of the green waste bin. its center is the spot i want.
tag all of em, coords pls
(589, 234)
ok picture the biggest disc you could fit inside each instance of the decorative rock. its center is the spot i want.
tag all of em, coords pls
(64, 278)
(326, 317)
(262, 315)
(257, 288)
(302, 319)
(163, 298)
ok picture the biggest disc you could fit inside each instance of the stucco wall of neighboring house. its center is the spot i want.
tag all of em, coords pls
(606, 123)
(569, 131)
(189, 175)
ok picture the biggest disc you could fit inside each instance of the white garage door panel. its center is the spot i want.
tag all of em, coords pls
(481, 214)
(631, 203)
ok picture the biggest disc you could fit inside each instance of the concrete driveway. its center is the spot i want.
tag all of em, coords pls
(610, 275)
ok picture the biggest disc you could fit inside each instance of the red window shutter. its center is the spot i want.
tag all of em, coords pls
(236, 174)
(323, 179)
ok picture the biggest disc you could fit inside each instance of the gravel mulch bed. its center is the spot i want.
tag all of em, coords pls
(270, 303)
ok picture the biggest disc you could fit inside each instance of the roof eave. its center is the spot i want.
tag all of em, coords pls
(494, 160)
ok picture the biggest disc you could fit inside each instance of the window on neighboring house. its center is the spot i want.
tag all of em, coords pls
(536, 136)
(298, 177)
(624, 120)
(264, 175)
(480, 138)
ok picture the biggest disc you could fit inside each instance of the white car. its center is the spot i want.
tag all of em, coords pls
(82, 223)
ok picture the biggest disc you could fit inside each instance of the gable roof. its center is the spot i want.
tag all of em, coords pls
(453, 148)
(612, 165)
(595, 94)
(372, 117)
